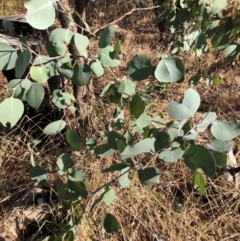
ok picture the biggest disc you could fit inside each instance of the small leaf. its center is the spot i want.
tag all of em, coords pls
(149, 176)
(103, 150)
(54, 127)
(19, 87)
(35, 95)
(220, 158)
(141, 147)
(8, 56)
(64, 162)
(96, 67)
(11, 110)
(171, 155)
(139, 67)
(81, 74)
(106, 36)
(39, 175)
(187, 109)
(123, 179)
(136, 106)
(110, 223)
(170, 70)
(207, 119)
(22, 63)
(106, 88)
(116, 167)
(127, 87)
(39, 74)
(77, 188)
(144, 120)
(198, 181)
(73, 139)
(109, 195)
(112, 139)
(60, 189)
(81, 42)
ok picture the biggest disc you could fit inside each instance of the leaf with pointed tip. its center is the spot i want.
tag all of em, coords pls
(22, 63)
(187, 109)
(110, 223)
(40, 14)
(149, 176)
(35, 95)
(8, 56)
(170, 70)
(73, 139)
(39, 175)
(54, 127)
(139, 67)
(11, 110)
(106, 36)
(225, 130)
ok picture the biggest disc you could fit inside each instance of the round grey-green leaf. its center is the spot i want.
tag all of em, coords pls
(54, 127)
(139, 67)
(170, 70)
(35, 95)
(40, 14)
(81, 74)
(8, 56)
(11, 110)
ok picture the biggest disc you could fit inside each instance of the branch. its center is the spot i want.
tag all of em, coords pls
(126, 14)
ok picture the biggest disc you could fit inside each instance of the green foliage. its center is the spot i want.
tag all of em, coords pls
(134, 131)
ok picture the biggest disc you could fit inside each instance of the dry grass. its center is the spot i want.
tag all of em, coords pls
(172, 210)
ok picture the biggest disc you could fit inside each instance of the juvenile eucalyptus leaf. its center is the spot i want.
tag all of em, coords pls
(198, 181)
(60, 189)
(103, 150)
(106, 36)
(112, 139)
(127, 87)
(144, 120)
(76, 176)
(194, 80)
(64, 68)
(8, 56)
(22, 63)
(64, 162)
(18, 88)
(35, 95)
(197, 156)
(116, 167)
(141, 147)
(73, 139)
(201, 41)
(171, 155)
(149, 176)
(231, 52)
(81, 74)
(116, 50)
(136, 106)
(162, 140)
(187, 109)
(170, 70)
(11, 110)
(220, 158)
(39, 175)
(77, 188)
(225, 130)
(110, 223)
(40, 14)
(39, 74)
(106, 88)
(105, 57)
(222, 146)
(207, 119)
(109, 195)
(96, 67)
(123, 179)
(54, 127)
(81, 42)
(61, 99)
(139, 67)
(8, 25)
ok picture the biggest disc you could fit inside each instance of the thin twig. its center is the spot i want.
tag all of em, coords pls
(126, 14)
